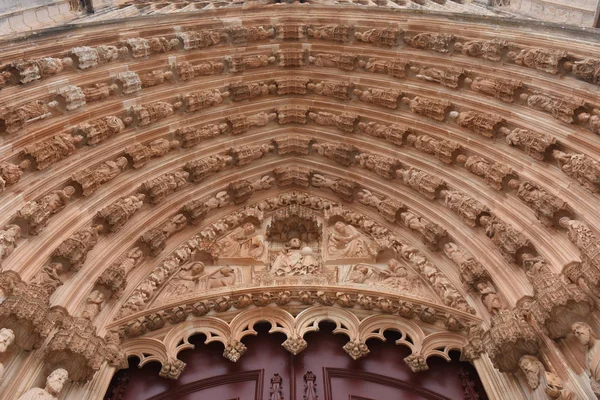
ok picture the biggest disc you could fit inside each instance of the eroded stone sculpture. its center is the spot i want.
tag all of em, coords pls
(54, 384)
(37, 213)
(75, 248)
(142, 154)
(92, 178)
(119, 212)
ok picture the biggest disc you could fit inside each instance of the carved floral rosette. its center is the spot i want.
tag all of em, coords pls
(509, 338)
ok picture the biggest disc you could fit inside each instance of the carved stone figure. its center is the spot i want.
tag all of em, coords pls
(444, 150)
(53, 150)
(17, 117)
(222, 277)
(432, 233)
(341, 153)
(344, 121)
(7, 337)
(5, 77)
(160, 187)
(336, 33)
(482, 123)
(429, 107)
(33, 70)
(114, 277)
(503, 89)
(139, 47)
(91, 179)
(239, 63)
(119, 212)
(199, 39)
(336, 89)
(546, 60)
(439, 42)
(150, 113)
(469, 209)
(345, 241)
(8, 240)
(186, 70)
(591, 121)
(489, 297)
(426, 184)
(291, 85)
(508, 239)
(162, 45)
(54, 384)
(191, 137)
(142, 154)
(48, 280)
(540, 380)
(562, 108)
(310, 386)
(172, 369)
(382, 97)
(37, 213)
(548, 208)
(588, 69)
(71, 96)
(291, 58)
(343, 61)
(487, 49)
(98, 130)
(534, 144)
(471, 270)
(381, 165)
(240, 91)
(184, 281)
(587, 337)
(98, 91)
(341, 187)
(88, 57)
(11, 173)
(391, 133)
(582, 168)
(276, 391)
(195, 101)
(156, 238)
(445, 77)
(395, 67)
(292, 114)
(295, 260)
(382, 36)
(245, 34)
(93, 305)
(242, 242)
(242, 123)
(495, 174)
(75, 248)
(246, 154)
(155, 77)
(129, 82)
(204, 167)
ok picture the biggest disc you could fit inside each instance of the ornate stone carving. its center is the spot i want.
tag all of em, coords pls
(155, 77)
(585, 240)
(439, 42)
(243, 123)
(416, 363)
(386, 206)
(291, 85)
(487, 49)
(431, 108)
(382, 97)
(75, 248)
(509, 338)
(391, 133)
(143, 154)
(444, 150)
(162, 45)
(93, 305)
(91, 179)
(114, 278)
(292, 114)
(557, 303)
(534, 144)
(241, 190)
(336, 33)
(156, 238)
(341, 187)
(5, 78)
(160, 187)
(71, 96)
(37, 213)
(292, 175)
(246, 91)
(548, 208)
(88, 57)
(310, 386)
(204, 167)
(234, 350)
(139, 47)
(495, 174)
(562, 108)
(239, 63)
(484, 124)
(15, 118)
(344, 121)
(98, 130)
(582, 168)
(33, 70)
(245, 34)
(11, 173)
(587, 337)
(426, 184)
(546, 60)
(382, 36)
(98, 91)
(292, 144)
(186, 70)
(191, 137)
(172, 369)
(343, 61)
(471, 270)
(381, 165)
(394, 67)
(341, 153)
(432, 233)
(129, 81)
(345, 241)
(7, 337)
(511, 243)
(53, 150)
(448, 77)
(291, 58)
(119, 212)
(291, 31)
(203, 99)
(588, 69)
(336, 89)
(540, 380)
(356, 349)
(150, 113)
(246, 154)
(276, 391)
(54, 384)
(9, 236)
(199, 39)
(469, 209)
(502, 89)
(591, 121)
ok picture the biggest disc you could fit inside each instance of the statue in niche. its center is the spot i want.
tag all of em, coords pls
(185, 281)
(93, 305)
(54, 384)
(345, 241)
(7, 337)
(586, 336)
(295, 260)
(242, 242)
(489, 297)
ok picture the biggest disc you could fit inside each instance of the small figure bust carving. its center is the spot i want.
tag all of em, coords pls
(586, 336)
(54, 384)
(7, 337)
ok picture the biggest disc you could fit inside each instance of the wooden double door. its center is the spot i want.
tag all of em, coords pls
(322, 371)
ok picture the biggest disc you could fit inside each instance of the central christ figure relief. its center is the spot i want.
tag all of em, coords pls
(295, 260)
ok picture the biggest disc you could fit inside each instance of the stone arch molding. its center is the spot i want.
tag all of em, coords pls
(230, 334)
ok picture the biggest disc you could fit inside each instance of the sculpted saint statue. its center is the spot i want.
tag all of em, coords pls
(294, 260)
(586, 336)
(345, 241)
(242, 242)
(54, 384)
(7, 337)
